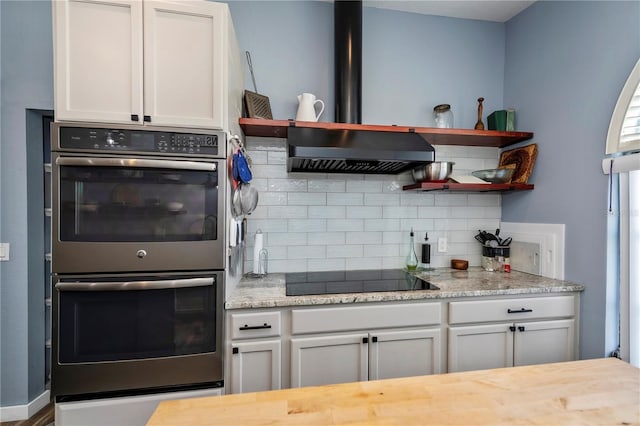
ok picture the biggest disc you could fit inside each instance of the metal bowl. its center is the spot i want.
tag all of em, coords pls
(495, 175)
(435, 171)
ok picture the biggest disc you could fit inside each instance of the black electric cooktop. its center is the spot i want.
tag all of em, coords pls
(365, 281)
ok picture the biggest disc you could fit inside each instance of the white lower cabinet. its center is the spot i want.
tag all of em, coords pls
(322, 360)
(319, 345)
(363, 353)
(328, 359)
(255, 357)
(256, 366)
(479, 344)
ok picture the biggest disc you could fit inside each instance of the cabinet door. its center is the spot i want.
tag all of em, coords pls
(480, 347)
(329, 359)
(544, 342)
(184, 63)
(255, 366)
(404, 353)
(98, 60)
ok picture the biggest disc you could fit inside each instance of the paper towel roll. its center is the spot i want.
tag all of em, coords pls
(257, 246)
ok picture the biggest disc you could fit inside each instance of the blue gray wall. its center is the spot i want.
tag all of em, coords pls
(27, 82)
(410, 62)
(556, 55)
(566, 64)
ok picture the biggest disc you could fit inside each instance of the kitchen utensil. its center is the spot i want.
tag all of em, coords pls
(248, 198)
(236, 204)
(524, 158)
(258, 106)
(500, 175)
(479, 238)
(506, 241)
(306, 107)
(433, 172)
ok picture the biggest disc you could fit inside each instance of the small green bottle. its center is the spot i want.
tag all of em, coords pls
(412, 258)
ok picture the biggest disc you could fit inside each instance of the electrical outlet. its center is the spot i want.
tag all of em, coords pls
(442, 244)
(4, 251)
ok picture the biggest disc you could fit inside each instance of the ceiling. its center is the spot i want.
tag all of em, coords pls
(484, 10)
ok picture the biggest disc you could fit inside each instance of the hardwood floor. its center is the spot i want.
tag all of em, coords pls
(44, 417)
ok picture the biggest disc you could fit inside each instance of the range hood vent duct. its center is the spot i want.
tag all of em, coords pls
(347, 29)
(353, 150)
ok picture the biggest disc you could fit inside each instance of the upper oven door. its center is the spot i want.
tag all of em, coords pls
(114, 214)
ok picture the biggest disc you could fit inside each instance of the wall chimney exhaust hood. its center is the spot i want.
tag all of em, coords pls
(352, 148)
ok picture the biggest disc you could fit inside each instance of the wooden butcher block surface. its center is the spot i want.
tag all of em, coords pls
(591, 392)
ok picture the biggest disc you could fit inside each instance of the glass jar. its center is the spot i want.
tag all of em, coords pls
(443, 116)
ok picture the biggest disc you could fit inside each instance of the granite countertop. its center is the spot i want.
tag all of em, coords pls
(269, 291)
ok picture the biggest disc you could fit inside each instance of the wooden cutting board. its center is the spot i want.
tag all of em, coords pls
(592, 392)
(524, 158)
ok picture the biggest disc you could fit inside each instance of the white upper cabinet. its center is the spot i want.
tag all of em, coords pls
(161, 63)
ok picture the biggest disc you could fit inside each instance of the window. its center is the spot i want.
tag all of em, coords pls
(623, 166)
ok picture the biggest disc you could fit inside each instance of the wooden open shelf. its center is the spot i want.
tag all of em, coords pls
(435, 136)
(468, 187)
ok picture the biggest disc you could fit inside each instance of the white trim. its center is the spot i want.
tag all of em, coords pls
(620, 111)
(624, 163)
(23, 412)
(551, 239)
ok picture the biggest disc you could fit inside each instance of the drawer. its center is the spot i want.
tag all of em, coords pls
(255, 325)
(511, 309)
(331, 319)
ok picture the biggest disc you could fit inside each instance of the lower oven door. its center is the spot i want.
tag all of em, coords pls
(128, 333)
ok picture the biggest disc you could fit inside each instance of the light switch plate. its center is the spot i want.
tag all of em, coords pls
(4, 251)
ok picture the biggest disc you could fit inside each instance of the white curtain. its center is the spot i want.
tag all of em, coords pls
(629, 273)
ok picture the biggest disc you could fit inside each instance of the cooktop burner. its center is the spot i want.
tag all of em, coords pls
(365, 281)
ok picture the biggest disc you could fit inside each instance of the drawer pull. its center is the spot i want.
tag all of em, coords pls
(255, 327)
(512, 328)
(518, 311)
(521, 328)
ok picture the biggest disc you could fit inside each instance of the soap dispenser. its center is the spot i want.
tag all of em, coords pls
(412, 258)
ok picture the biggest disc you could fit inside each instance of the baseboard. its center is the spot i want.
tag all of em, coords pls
(23, 412)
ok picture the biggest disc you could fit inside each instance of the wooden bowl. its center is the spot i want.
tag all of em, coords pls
(459, 264)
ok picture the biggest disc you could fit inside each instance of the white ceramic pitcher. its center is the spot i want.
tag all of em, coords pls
(306, 107)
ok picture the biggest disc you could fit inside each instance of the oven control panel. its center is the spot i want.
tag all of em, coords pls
(143, 141)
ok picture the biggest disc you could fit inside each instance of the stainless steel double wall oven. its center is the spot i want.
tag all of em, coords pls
(138, 259)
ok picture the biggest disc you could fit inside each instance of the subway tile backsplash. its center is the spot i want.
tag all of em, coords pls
(319, 221)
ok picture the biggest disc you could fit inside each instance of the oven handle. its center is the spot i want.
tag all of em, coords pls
(134, 285)
(135, 162)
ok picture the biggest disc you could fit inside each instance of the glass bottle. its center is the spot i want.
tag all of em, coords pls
(412, 258)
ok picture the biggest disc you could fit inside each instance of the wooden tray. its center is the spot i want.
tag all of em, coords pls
(524, 158)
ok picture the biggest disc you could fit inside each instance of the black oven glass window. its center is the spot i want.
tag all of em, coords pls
(137, 204)
(99, 326)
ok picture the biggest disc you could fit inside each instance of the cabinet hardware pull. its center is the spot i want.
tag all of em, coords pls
(255, 327)
(234, 350)
(134, 117)
(518, 311)
(512, 328)
(147, 118)
(521, 328)
(374, 339)
(365, 340)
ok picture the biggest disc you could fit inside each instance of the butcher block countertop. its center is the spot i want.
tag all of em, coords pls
(269, 292)
(592, 392)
